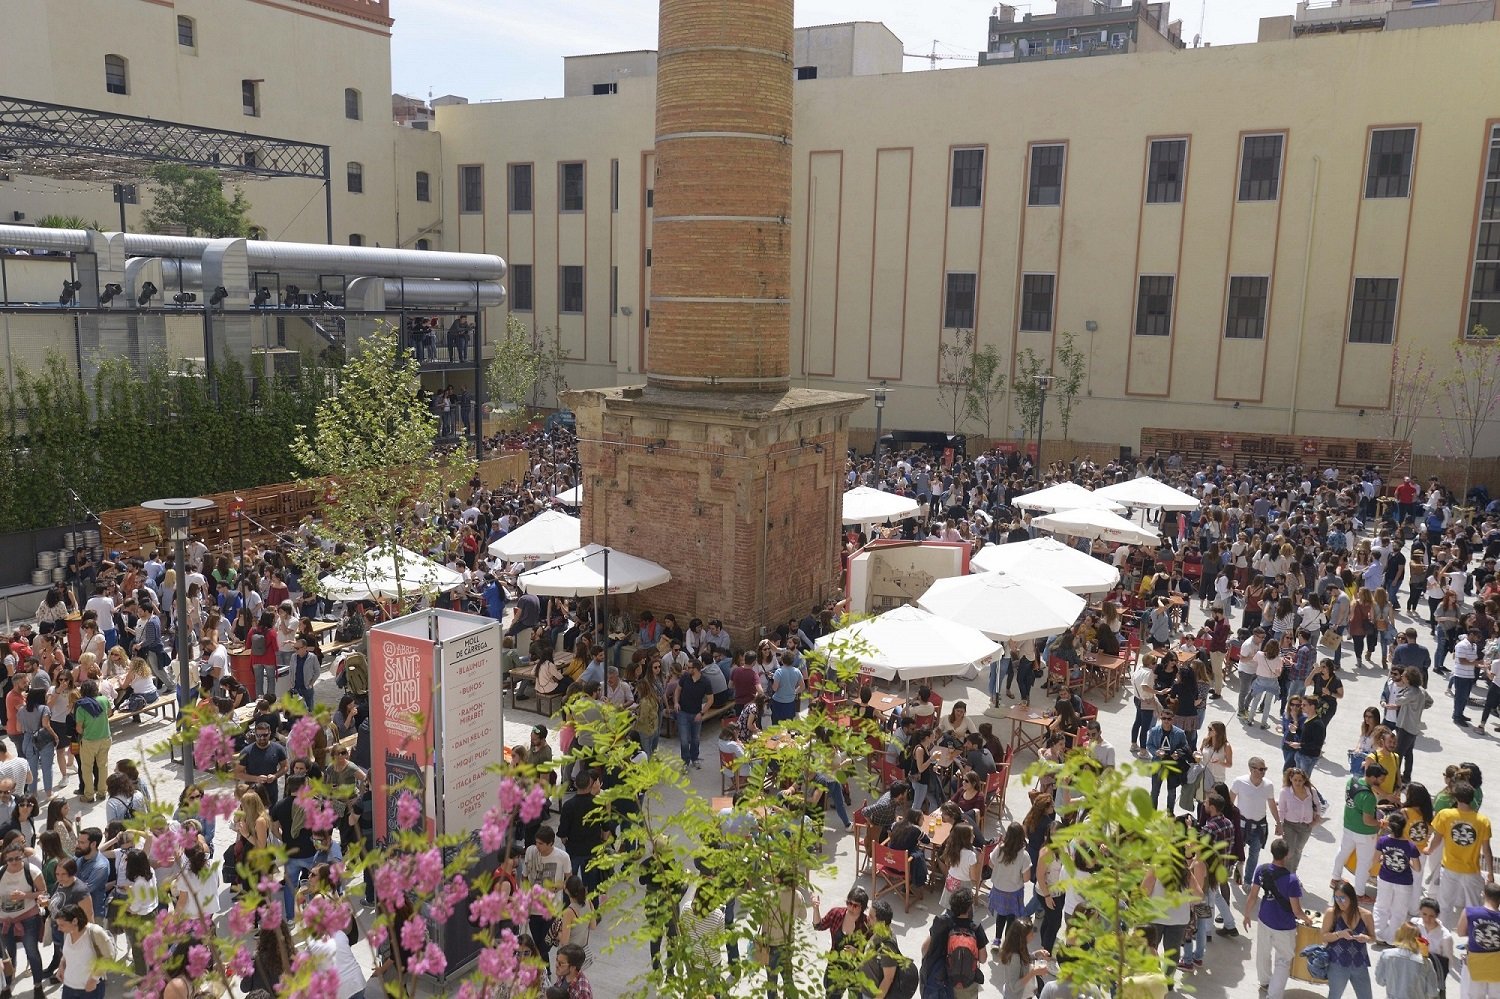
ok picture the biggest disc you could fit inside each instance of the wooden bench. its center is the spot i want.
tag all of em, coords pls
(165, 706)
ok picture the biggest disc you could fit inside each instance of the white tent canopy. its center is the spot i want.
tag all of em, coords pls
(384, 573)
(1065, 496)
(1149, 493)
(593, 571)
(1003, 606)
(571, 497)
(908, 643)
(863, 505)
(1050, 560)
(547, 535)
(1096, 524)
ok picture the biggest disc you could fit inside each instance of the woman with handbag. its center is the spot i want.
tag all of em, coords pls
(22, 893)
(80, 945)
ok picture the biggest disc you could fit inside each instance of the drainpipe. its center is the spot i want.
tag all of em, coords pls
(1312, 218)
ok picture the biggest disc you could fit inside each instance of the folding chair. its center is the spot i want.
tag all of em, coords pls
(891, 871)
(862, 835)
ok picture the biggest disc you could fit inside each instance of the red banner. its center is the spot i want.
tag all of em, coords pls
(401, 682)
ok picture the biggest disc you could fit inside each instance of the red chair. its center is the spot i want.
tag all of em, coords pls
(888, 772)
(729, 779)
(891, 871)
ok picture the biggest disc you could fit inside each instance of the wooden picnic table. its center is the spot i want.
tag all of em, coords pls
(1108, 672)
(886, 703)
(1029, 728)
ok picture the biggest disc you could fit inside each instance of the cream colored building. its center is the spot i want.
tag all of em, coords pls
(1210, 223)
(310, 70)
(1240, 237)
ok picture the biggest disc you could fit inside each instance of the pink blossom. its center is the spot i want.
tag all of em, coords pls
(377, 936)
(214, 807)
(533, 803)
(299, 743)
(199, 960)
(408, 810)
(242, 920)
(212, 748)
(413, 935)
(428, 871)
(431, 962)
(242, 965)
(317, 813)
(391, 883)
(323, 916)
(495, 831)
(488, 909)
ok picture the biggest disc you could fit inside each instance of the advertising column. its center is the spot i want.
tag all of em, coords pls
(402, 680)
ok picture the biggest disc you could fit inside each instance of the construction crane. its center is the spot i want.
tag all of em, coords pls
(934, 56)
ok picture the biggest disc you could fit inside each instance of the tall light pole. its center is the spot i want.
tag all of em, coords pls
(179, 519)
(1043, 383)
(879, 392)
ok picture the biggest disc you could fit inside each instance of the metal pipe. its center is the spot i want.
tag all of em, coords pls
(268, 255)
(35, 238)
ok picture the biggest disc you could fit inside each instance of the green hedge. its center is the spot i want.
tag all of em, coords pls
(139, 432)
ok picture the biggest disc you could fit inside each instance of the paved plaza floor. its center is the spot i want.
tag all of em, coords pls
(1229, 967)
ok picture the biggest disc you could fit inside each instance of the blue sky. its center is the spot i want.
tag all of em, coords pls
(512, 50)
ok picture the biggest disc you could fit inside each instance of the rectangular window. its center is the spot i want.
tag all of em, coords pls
(614, 185)
(968, 178)
(1484, 296)
(424, 186)
(1166, 171)
(1036, 302)
(648, 256)
(354, 175)
(614, 291)
(520, 287)
(958, 303)
(570, 187)
(1372, 318)
(601, 89)
(650, 197)
(807, 72)
(570, 288)
(356, 239)
(250, 97)
(185, 32)
(1153, 305)
(116, 75)
(1046, 176)
(351, 104)
(520, 187)
(471, 189)
(1246, 318)
(1260, 167)
(1389, 172)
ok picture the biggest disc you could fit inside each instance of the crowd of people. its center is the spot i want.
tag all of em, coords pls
(1272, 599)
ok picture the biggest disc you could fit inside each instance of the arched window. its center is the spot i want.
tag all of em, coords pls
(187, 32)
(116, 74)
(356, 178)
(351, 103)
(356, 239)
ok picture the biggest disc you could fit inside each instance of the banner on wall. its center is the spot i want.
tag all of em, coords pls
(402, 671)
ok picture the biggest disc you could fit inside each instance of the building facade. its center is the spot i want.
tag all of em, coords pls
(1238, 238)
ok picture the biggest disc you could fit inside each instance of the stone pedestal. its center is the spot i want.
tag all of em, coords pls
(738, 494)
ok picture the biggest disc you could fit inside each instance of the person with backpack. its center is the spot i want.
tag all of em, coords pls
(893, 974)
(953, 951)
(264, 646)
(1278, 893)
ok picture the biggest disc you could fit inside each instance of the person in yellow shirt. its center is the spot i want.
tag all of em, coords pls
(1384, 741)
(1464, 836)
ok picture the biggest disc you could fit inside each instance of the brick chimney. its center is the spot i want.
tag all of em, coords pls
(721, 239)
(717, 468)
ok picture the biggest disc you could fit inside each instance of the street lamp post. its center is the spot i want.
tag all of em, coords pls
(1043, 383)
(879, 392)
(179, 513)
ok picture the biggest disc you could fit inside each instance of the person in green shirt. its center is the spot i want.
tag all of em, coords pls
(92, 714)
(1361, 825)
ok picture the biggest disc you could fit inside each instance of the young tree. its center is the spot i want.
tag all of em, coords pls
(1108, 837)
(193, 199)
(759, 854)
(514, 370)
(1411, 384)
(986, 386)
(955, 376)
(1070, 375)
(371, 448)
(1024, 388)
(1468, 397)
